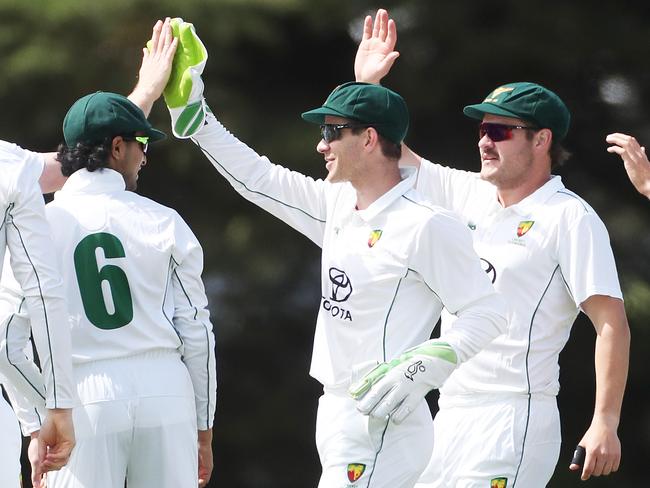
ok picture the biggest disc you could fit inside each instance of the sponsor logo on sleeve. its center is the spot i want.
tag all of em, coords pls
(355, 471)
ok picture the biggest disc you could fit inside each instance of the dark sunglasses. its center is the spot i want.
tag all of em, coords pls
(332, 132)
(499, 132)
(142, 140)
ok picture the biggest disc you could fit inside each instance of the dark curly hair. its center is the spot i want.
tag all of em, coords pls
(90, 156)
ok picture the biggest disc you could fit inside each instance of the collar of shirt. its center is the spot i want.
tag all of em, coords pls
(408, 176)
(539, 196)
(104, 180)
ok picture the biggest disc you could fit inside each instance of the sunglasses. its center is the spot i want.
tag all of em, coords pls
(499, 132)
(142, 140)
(332, 132)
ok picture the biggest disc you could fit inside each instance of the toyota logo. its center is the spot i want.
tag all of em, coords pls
(341, 286)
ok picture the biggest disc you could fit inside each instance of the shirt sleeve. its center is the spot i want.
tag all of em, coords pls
(192, 322)
(445, 259)
(35, 267)
(21, 377)
(294, 198)
(587, 261)
(16, 359)
(29, 417)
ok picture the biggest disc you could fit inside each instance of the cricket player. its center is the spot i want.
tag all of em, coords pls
(390, 262)
(548, 253)
(142, 347)
(25, 232)
(635, 160)
(142, 341)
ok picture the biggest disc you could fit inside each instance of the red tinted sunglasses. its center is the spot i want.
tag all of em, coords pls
(499, 132)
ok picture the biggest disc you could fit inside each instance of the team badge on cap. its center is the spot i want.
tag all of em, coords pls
(355, 471)
(374, 237)
(494, 96)
(499, 483)
(524, 226)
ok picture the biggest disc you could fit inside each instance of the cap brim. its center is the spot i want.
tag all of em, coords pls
(478, 110)
(317, 116)
(155, 135)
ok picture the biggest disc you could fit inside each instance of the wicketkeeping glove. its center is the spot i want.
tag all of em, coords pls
(396, 388)
(184, 91)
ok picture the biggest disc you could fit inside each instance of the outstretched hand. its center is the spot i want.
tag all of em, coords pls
(634, 159)
(376, 53)
(157, 60)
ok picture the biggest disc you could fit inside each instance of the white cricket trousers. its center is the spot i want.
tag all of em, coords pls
(357, 451)
(136, 422)
(10, 446)
(502, 441)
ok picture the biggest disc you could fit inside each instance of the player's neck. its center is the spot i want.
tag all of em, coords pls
(511, 195)
(372, 187)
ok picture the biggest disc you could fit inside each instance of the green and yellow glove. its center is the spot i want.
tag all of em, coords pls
(184, 91)
(396, 388)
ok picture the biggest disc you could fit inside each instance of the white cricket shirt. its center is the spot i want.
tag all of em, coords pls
(25, 232)
(132, 273)
(546, 255)
(386, 271)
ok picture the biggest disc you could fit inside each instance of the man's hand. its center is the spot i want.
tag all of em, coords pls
(396, 388)
(156, 66)
(205, 457)
(634, 159)
(603, 449)
(56, 439)
(32, 455)
(376, 53)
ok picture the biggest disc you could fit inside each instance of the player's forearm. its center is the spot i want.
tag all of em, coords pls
(611, 361)
(611, 356)
(51, 179)
(477, 326)
(294, 198)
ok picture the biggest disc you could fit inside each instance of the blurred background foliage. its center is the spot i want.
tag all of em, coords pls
(272, 59)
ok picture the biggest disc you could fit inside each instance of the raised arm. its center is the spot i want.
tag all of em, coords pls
(376, 53)
(634, 159)
(601, 442)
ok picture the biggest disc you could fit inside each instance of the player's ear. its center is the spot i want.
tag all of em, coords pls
(543, 138)
(371, 137)
(118, 147)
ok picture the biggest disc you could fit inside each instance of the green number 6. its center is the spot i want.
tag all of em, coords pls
(90, 279)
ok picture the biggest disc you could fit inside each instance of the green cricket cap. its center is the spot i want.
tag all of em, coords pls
(527, 101)
(102, 114)
(370, 104)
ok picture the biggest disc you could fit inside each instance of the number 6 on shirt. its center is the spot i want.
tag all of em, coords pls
(90, 278)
